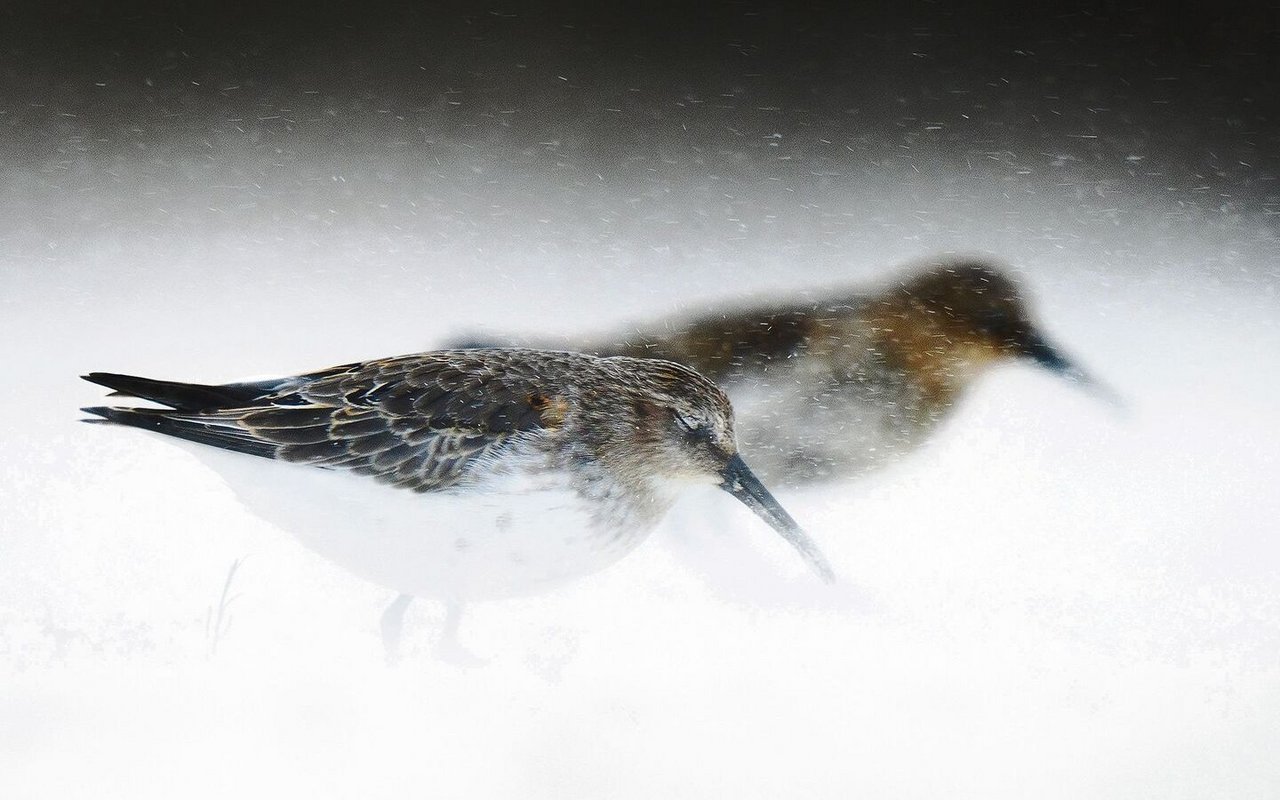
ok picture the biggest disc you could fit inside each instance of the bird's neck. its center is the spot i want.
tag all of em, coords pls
(915, 343)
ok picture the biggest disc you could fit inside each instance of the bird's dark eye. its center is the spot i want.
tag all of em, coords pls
(994, 321)
(693, 428)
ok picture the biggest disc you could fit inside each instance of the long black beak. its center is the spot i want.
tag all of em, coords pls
(738, 480)
(1036, 347)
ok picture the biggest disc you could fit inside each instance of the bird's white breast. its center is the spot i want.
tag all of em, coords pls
(518, 531)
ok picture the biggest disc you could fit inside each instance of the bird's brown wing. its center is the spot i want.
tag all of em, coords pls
(417, 422)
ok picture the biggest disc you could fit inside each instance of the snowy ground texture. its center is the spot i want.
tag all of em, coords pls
(1052, 600)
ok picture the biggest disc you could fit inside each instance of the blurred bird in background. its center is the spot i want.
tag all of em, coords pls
(840, 385)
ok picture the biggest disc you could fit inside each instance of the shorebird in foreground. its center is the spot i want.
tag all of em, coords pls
(464, 475)
(841, 385)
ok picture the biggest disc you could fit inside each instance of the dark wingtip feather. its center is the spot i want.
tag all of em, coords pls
(184, 396)
(171, 423)
(119, 416)
(99, 411)
(107, 379)
(101, 415)
(124, 385)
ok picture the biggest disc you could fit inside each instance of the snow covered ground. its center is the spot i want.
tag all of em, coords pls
(1053, 599)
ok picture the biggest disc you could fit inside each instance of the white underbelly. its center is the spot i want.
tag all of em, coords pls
(519, 535)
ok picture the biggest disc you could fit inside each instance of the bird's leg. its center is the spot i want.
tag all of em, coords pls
(448, 648)
(392, 624)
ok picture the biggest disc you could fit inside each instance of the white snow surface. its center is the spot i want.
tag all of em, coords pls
(1054, 599)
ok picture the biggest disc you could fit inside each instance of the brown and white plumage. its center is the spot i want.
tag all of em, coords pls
(416, 422)
(464, 474)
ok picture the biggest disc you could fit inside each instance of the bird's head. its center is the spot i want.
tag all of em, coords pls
(672, 426)
(948, 325)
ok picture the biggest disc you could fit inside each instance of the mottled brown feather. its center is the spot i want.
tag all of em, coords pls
(413, 421)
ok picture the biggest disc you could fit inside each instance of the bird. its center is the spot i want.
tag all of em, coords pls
(463, 475)
(839, 385)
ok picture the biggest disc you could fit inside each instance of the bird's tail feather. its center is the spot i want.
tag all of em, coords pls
(171, 423)
(184, 396)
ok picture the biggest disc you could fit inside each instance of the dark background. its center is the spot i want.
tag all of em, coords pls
(1169, 97)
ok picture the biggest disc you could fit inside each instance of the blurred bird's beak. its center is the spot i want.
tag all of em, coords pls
(738, 480)
(1039, 350)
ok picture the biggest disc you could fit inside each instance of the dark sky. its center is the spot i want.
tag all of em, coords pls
(1189, 88)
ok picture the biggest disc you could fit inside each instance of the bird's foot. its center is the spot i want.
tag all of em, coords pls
(392, 625)
(448, 648)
